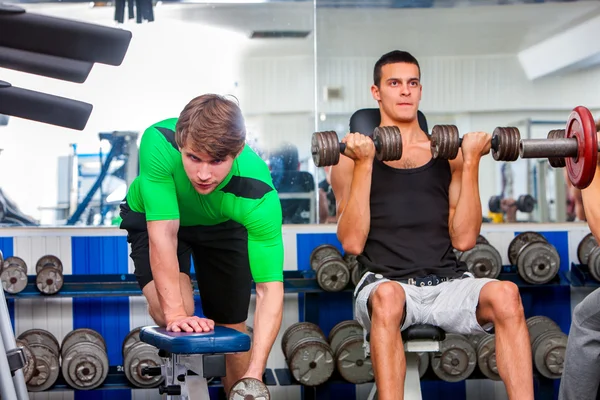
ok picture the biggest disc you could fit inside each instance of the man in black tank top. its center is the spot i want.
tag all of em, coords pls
(403, 219)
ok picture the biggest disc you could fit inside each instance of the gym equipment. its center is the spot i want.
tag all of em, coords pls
(49, 278)
(585, 247)
(308, 354)
(249, 389)
(13, 274)
(29, 367)
(326, 148)
(456, 359)
(190, 358)
(84, 360)
(483, 260)
(548, 346)
(525, 203)
(141, 361)
(485, 347)
(537, 260)
(353, 267)
(332, 271)
(346, 340)
(46, 350)
(445, 143)
(593, 263)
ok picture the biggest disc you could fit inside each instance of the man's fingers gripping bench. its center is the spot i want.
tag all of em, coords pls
(193, 357)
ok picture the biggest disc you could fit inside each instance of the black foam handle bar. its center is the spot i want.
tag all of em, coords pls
(43, 107)
(62, 37)
(45, 65)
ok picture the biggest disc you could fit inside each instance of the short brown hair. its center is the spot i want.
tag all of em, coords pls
(212, 124)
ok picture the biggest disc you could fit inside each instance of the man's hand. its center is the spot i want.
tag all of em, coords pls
(475, 144)
(186, 323)
(359, 147)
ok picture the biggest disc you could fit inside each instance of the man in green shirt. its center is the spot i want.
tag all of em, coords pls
(203, 192)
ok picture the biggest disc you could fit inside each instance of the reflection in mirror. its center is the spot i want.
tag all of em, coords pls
(261, 53)
(483, 65)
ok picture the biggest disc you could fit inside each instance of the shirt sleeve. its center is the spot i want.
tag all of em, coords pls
(265, 241)
(157, 186)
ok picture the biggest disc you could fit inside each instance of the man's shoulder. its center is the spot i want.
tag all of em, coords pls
(251, 178)
(161, 132)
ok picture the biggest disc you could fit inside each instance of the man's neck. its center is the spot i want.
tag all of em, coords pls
(411, 131)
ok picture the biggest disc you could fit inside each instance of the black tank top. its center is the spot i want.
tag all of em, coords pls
(409, 234)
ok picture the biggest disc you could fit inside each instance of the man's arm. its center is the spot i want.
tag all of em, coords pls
(591, 204)
(351, 185)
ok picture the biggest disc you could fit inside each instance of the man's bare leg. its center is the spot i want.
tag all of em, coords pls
(187, 293)
(387, 351)
(500, 303)
(236, 364)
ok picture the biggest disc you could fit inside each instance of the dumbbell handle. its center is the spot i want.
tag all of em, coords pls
(494, 142)
(375, 141)
(548, 148)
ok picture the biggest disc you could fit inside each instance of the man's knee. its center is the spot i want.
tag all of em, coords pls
(505, 300)
(387, 302)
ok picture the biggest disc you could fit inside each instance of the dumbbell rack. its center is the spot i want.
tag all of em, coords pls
(301, 282)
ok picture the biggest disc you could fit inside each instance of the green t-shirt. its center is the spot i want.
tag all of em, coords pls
(164, 192)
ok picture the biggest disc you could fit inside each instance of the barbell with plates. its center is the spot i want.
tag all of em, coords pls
(49, 274)
(483, 260)
(84, 359)
(308, 354)
(525, 203)
(139, 358)
(456, 359)
(537, 260)
(249, 389)
(485, 347)
(46, 351)
(346, 340)
(548, 346)
(331, 269)
(326, 147)
(13, 274)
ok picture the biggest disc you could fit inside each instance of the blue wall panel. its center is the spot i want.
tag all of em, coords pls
(108, 316)
(7, 249)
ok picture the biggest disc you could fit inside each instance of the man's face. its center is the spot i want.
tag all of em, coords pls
(399, 91)
(204, 172)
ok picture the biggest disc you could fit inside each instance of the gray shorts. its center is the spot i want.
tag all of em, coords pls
(450, 305)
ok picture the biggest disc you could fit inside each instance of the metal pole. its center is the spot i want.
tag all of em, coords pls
(9, 343)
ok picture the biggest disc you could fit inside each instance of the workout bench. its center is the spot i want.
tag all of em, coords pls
(421, 338)
(191, 358)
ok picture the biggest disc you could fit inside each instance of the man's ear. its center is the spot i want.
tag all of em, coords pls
(375, 92)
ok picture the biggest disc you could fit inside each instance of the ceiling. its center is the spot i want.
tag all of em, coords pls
(448, 28)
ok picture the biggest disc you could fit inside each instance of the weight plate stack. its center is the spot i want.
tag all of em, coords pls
(456, 360)
(332, 271)
(346, 340)
(483, 261)
(137, 356)
(585, 247)
(46, 351)
(84, 359)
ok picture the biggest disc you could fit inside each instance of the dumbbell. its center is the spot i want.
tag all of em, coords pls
(548, 346)
(84, 359)
(346, 340)
(307, 353)
(537, 260)
(483, 260)
(46, 350)
(29, 368)
(353, 267)
(332, 272)
(141, 362)
(456, 359)
(326, 148)
(13, 274)
(49, 270)
(588, 253)
(249, 389)
(485, 347)
(525, 203)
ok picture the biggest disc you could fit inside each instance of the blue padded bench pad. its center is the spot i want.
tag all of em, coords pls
(220, 340)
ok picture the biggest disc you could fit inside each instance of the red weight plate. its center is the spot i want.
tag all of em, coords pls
(581, 126)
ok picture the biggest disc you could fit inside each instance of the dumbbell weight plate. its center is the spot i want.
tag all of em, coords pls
(539, 324)
(298, 331)
(486, 357)
(249, 389)
(343, 330)
(41, 336)
(538, 262)
(137, 357)
(325, 148)
(456, 360)
(130, 340)
(481, 240)
(519, 241)
(49, 280)
(351, 362)
(525, 203)
(594, 263)
(333, 275)
(311, 361)
(444, 142)
(46, 368)
(82, 335)
(13, 278)
(507, 141)
(495, 204)
(390, 143)
(350, 260)
(557, 162)
(48, 261)
(581, 169)
(549, 353)
(29, 367)
(483, 261)
(585, 247)
(84, 365)
(322, 252)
